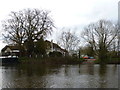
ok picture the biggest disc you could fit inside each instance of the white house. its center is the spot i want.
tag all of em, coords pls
(51, 47)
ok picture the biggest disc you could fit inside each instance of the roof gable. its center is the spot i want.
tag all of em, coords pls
(55, 46)
(11, 47)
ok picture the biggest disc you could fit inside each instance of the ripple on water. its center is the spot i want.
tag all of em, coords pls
(66, 76)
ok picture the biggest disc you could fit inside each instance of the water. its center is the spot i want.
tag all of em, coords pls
(64, 76)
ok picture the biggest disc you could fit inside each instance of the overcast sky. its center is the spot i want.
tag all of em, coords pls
(65, 13)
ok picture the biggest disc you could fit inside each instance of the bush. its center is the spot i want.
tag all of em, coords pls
(55, 54)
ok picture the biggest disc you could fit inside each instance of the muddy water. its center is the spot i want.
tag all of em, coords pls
(64, 76)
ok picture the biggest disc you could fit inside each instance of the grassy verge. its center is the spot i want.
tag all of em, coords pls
(51, 60)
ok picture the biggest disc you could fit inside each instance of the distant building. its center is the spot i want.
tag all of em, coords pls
(10, 50)
(51, 47)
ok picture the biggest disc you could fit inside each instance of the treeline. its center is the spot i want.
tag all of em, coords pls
(100, 39)
(28, 26)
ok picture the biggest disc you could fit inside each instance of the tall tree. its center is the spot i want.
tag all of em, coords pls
(40, 47)
(100, 36)
(27, 26)
(14, 33)
(87, 50)
(69, 40)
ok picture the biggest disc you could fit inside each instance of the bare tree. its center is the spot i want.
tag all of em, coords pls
(26, 26)
(118, 42)
(14, 33)
(69, 40)
(100, 36)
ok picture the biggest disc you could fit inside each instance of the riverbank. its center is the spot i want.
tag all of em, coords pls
(109, 61)
(50, 60)
(63, 60)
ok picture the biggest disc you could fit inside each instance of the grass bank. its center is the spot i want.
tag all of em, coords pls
(108, 61)
(51, 60)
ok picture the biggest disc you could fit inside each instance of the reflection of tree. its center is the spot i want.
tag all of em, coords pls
(79, 69)
(114, 68)
(91, 69)
(66, 70)
(34, 69)
(102, 72)
(29, 76)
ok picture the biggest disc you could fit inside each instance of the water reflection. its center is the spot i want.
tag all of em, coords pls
(65, 76)
(102, 73)
(102, 70)
(0, 77)
(108, 75)
(91, 69)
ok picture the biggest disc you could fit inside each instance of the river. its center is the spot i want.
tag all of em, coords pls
(61, 76)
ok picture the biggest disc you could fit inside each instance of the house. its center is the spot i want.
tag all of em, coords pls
(53, 47)
(13, 50)
(10, 50)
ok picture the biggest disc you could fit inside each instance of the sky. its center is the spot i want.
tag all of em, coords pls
(73, 14)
